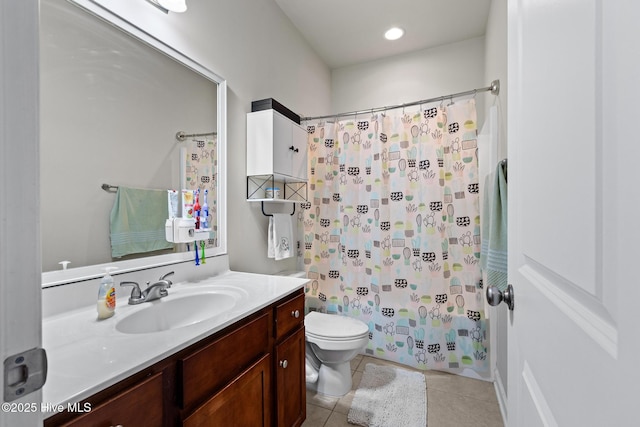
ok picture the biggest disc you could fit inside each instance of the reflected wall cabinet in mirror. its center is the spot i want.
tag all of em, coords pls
(113, 98)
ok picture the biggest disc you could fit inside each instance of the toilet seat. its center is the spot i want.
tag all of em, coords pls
(331, 327)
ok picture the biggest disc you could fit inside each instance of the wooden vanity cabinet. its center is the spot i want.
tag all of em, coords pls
(291, 397)
(140, 404)
(244, 402)
(208, 369)
(289, 353)
(249, 374)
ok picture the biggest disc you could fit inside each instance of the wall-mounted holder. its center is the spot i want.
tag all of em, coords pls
(295, 191)
(180, 230)
(183, 230)
(266, 214)
(202, 234)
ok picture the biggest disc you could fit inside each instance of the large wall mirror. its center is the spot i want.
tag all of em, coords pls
(112, 100)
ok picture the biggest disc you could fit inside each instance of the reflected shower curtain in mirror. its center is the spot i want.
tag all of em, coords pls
(201, 173)
(391, 233)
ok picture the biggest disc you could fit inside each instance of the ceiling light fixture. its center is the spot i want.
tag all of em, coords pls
(167, 6)
(394, 33)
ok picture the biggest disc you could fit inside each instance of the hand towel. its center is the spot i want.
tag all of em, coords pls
(493, 256)
(280, 236)
(137, 221)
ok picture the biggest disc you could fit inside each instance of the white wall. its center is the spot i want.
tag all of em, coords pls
(261, 54)
(414, 76)
(496, 68)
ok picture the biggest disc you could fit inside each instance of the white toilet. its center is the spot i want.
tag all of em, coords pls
(332, 341)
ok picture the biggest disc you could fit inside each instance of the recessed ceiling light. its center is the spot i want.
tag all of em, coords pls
(394, 33)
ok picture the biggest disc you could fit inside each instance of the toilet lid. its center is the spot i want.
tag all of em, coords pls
(333, 326)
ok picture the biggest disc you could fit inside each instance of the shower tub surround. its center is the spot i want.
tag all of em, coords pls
(86, 356)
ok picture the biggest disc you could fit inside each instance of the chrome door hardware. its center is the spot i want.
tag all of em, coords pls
(495, 296)
(24, 373)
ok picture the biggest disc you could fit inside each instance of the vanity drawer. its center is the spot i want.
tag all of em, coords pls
(289, 315)
(140, 405)
(205, 371)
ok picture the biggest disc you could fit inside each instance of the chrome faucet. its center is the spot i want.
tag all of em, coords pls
(136, 294)
(153, 292)
(156, 291)
(164, 277)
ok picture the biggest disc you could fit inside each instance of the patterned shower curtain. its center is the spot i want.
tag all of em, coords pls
(392, 233)
(201, 173)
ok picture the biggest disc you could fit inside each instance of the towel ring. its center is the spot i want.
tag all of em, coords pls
(266, 214)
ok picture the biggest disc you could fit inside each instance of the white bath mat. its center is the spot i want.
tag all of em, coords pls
(389, 396)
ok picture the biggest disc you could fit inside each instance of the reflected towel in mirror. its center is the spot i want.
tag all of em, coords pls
(137, 221)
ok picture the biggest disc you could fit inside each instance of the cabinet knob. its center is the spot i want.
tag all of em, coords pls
(295, 314)
(284, 363)
(294, 149)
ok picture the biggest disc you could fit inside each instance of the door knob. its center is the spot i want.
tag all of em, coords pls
(284, 363)
(495, 296)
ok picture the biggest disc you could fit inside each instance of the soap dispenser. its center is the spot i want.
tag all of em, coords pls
(106, 295)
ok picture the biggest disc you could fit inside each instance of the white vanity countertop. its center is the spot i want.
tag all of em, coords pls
(86, 355)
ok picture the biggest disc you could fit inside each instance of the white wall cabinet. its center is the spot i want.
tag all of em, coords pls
(276, 146)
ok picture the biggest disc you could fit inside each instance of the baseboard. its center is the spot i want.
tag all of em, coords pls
(501, 395)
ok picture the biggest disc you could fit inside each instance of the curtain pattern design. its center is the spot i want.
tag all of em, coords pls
(392, 233)
(201, 171)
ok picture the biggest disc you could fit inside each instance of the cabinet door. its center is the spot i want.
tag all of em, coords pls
(290, 381)
(244, 402)
(299, 158)
(141, 405)
(276, 145)
(282, 145)
(208, 369)
(260, 134)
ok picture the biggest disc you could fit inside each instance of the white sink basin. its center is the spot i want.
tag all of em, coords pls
(164, 314)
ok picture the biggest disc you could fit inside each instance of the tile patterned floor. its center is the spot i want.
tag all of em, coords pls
(452, 401)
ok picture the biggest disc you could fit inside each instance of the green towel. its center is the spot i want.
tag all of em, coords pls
(493, 256)
(137, 221)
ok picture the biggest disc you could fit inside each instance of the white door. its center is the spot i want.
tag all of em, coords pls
(20, 279)
(574, 86)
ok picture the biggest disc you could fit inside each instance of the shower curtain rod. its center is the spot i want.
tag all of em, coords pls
(494, 88)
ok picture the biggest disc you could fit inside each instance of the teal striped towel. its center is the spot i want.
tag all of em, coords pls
(493, 253)
(137, 221)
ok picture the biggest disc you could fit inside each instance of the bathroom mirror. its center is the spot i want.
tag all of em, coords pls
(112, 100)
